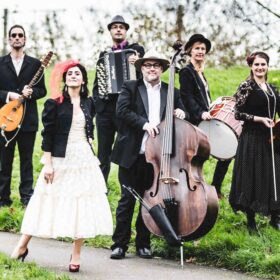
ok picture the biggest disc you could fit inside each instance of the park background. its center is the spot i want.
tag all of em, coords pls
(77, 29)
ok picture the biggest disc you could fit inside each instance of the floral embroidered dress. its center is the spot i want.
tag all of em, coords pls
(252, 182)
(75, 205)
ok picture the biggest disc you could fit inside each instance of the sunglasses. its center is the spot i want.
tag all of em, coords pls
(149, 65)
(14, 35)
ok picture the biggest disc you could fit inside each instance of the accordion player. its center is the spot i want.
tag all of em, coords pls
(112, 70)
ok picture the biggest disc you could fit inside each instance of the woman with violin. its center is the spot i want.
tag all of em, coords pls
(256, 174)
(195, 94)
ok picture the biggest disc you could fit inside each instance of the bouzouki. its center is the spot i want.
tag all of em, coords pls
(12, 114)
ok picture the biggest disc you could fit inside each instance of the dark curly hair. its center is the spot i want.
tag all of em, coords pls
(84, 92)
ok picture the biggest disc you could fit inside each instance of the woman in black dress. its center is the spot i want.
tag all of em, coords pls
(253, 189)
(195, 94)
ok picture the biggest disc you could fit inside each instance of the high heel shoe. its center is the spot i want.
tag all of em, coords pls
(73, 267)
(23, 256)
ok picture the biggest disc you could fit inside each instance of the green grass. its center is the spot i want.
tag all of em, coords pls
(228, 245)
(14, 270)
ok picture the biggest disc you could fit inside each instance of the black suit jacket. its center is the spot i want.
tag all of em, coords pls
(110, 104)
(133, 111)
(9, 81)
(193, 93)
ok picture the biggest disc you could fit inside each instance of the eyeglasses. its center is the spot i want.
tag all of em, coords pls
(14, 35)
(149, 65)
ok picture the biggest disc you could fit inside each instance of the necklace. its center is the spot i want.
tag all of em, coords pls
(270, 93)
(267, 90)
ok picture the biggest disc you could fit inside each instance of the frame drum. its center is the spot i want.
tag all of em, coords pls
(223, 130)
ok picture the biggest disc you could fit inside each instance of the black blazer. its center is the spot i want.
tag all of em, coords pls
(132, 111)
(9, 81)
(57, 120)
(110, 104)
(193, 93)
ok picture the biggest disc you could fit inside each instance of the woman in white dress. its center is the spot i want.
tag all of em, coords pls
(70, 195)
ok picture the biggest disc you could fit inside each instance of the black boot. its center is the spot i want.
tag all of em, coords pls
(251, 222)
(275, 220)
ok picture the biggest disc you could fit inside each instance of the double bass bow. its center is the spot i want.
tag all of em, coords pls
(177, 155)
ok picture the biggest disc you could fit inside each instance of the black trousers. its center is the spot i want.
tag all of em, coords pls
(139, 177)
(220, 173)
(25, 142)
(106, 124)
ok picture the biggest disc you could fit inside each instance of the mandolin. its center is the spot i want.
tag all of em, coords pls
(12, 114)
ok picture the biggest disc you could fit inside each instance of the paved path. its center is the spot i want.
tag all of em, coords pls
(96, 264)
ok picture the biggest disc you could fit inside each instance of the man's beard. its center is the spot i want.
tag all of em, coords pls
(18, 47)
(118, 40)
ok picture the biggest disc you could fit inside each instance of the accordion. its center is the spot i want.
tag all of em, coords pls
(112, 70)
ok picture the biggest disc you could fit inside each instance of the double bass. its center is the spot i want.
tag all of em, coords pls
(177, 155)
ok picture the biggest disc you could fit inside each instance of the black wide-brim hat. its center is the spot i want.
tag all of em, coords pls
(118, 19)
(198, 38)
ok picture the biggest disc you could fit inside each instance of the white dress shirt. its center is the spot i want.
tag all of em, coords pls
(153, 93)
(17, 64)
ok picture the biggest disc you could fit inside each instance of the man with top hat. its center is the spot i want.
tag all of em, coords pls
(106, 121)
(140, 109)
(195, 94)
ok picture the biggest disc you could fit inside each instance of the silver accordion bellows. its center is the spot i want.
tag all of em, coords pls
(112, 70)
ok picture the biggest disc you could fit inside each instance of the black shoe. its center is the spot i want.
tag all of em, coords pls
(144, 253)
(4, 203)
(252, 229)
(275, 221)
(20, 257)
(251, 222)
(118, 253)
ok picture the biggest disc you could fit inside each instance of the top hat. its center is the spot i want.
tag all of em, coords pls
(118, 19)
(152, 55)
(198, 38)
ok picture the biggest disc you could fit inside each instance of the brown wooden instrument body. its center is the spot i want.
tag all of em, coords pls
(11, 115)
(197, 201)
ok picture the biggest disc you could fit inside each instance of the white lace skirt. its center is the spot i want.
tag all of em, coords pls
(75, 204)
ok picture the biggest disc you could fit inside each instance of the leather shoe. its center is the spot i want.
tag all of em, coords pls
(5, 203)
(144, 253)
(275, 221)
(118, 253)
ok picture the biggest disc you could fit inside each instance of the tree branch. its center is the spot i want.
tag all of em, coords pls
(266, 8)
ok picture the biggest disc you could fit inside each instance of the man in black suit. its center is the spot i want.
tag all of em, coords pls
(16, 71)
(140, 108)
(106, 122)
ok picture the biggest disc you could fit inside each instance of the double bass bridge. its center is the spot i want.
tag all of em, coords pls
(169, 180)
